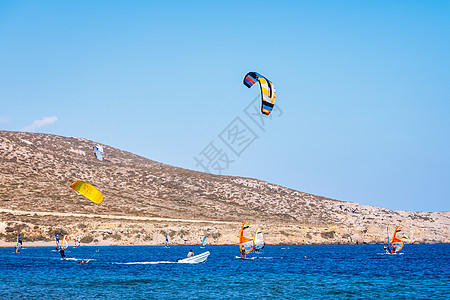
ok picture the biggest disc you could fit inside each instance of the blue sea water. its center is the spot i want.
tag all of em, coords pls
(278, 272)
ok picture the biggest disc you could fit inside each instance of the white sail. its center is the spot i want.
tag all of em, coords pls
(258, 241)
(19, 242)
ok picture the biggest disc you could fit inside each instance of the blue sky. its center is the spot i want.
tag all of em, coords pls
(362, 88)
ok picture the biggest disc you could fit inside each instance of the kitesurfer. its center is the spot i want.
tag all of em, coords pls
(191, 253)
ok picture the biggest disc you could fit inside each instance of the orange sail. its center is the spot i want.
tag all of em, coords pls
(245, 239)
(397, 240)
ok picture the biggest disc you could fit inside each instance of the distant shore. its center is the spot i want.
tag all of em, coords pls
(37, 229)
(52, 244)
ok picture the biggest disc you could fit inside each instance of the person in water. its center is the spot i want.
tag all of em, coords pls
(191, 253)
(63, 255)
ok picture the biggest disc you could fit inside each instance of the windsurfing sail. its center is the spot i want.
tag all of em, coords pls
(397, 240)
(388, 248)
(88, 191)
(167, 242)
(65, 242)
(258, 240)
(245, 239)
(77, 242)
(58, 246)
(267, 90)
(204, 241)
(98, 152)
(19, 243)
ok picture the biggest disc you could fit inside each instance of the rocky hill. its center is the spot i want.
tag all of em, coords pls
(145, 200)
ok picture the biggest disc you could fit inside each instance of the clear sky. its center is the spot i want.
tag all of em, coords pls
(362, 112)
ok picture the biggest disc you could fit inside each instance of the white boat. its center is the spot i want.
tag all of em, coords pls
(196, 259)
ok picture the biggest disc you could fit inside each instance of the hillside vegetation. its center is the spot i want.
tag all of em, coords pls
(145, 200)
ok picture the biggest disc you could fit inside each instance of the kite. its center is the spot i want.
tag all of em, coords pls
(267, 90)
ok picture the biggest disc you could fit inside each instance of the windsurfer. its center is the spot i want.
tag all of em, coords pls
(18, 244)
(191, 253)
(63, 255)
(243, 255)
(396, 244)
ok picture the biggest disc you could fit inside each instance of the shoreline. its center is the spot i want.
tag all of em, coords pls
(2, 245)
(37, 228)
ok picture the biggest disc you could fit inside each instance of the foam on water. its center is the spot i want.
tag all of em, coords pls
(144, 263)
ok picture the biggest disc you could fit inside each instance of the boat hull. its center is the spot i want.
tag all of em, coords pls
(196, 259)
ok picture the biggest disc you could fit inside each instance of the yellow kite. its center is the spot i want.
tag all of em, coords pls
(87, 190)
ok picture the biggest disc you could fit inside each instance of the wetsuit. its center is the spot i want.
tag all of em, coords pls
(243, 253)
(63, 256)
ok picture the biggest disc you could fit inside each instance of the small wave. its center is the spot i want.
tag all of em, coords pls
(80, 259)
(73, 259)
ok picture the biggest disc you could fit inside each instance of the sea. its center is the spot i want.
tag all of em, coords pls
(277, 272)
